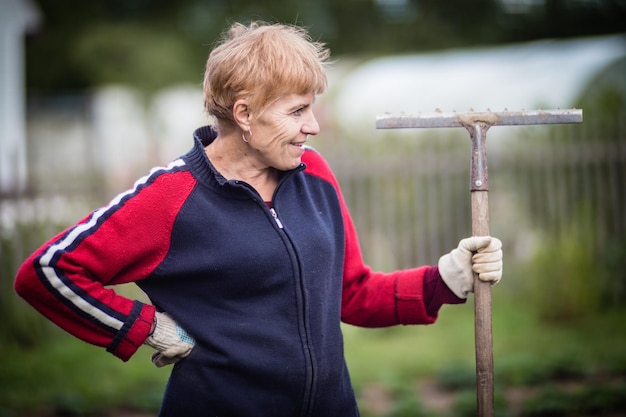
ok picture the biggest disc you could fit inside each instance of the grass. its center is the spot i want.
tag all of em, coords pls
(529, 355)
(518, 337)
(70, 378)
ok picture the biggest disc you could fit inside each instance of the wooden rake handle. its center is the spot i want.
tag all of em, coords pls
(479, 188)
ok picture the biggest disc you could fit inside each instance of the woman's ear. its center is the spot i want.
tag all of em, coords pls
(241, 114)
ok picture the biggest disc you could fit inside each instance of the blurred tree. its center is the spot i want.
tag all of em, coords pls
(527, 20)
(82, 44)
(133, 54)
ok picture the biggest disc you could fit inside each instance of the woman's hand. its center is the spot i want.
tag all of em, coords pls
(477, 254)
(170, 340)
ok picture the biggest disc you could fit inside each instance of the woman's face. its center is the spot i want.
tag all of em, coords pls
(279, 134)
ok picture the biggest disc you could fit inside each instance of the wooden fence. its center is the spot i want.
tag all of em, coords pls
(409, 194)
(411, 201)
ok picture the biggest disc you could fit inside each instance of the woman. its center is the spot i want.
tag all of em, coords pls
(247, 252)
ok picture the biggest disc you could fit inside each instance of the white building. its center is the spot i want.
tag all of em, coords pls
(526, 76)
(17, 17)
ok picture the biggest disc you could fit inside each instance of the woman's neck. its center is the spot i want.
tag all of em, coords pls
(232, 160)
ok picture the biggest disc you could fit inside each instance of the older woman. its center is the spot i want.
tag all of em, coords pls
(247, 252)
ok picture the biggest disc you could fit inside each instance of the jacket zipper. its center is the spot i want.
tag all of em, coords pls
(276, 219)
(307, 404)
(310, 389)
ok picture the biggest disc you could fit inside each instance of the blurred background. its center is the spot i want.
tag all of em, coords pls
(93, 94)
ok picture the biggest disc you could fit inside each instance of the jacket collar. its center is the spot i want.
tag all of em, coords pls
(206, 173)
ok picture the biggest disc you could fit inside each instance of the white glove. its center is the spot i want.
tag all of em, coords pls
(170, 340)
(479, 254)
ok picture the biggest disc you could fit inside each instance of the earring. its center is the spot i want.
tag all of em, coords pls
(243, 136)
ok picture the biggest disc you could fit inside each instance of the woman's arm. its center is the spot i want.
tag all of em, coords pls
(67, 278)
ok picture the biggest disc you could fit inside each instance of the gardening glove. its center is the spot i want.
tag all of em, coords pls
(477, 254)
(170, 340)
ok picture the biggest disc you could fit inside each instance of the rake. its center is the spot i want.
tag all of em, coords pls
(477, 124)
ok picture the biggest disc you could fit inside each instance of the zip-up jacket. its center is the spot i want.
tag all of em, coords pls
(261, 287)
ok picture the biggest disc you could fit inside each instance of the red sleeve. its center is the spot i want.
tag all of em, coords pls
(373, 299)
(66, 279)
(437, 293)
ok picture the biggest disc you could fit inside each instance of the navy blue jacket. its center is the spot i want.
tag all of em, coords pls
(262, 290)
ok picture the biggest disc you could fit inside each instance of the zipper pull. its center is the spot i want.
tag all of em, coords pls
(280, 225)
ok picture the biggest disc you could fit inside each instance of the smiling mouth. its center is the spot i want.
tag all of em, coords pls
(300, 144)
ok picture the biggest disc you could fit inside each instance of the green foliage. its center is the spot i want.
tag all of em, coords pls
(72, 378)
(613, 264)
(578, 265)
(603, 399)
(146, 58)
(550, 403)
(604, 100)
(598, 400)
(558, 280)
(406, 404)
(535, 371)
(457, 377)
(20, 325)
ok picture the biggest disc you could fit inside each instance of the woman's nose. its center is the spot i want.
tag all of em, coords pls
(311, 127)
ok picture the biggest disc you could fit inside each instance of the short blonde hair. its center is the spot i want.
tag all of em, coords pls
(262, 62)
